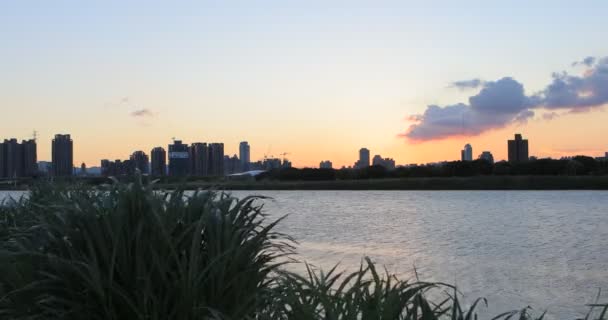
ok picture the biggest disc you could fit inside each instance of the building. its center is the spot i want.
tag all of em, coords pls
(518, 149)
(199, 159)
(18, 160)
(232, 165)
(179, 159)
(44, 167)
(142, 161)
(30, 158)
(118, 167)
(159, 162)
(363, 161)
(272, 163)
(387, 163)
(216, 159)
(13, 158)
(245, 156)
(326, 165)
(62, 155)
(83, 169)
(466, 154)
(487, 156)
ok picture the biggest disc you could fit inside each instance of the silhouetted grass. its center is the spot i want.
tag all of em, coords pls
(124, 251)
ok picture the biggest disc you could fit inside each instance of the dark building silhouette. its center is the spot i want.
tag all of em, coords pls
(3, 160)
(232, 164)
(245, 156)
(518, 149)
(199, 159)
(18, 159)
(216, 159)
(30, 158)
(159, 161)
(179, 159)
(117, 167)
(141, 160)
(62, 155)
(14, 158)
(363, 161)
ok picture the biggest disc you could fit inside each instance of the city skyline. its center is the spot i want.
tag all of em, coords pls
(315, 80)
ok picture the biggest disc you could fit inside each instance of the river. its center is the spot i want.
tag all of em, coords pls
(546, 249)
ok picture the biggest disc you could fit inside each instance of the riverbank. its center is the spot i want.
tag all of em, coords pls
(423, 183)
(452, 183)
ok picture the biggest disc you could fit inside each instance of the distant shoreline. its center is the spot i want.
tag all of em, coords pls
(450, 183)
(423, 183)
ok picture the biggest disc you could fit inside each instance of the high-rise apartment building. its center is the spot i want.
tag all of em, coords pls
(14, 158)
(245, 156)
(518, 149)
(466, 154)
(30, 158)
(216, 159)
(63, 155)
(179, 159)
(364, 159)
(3, 157)
(159, 162)
(199, 159)
(141, 160)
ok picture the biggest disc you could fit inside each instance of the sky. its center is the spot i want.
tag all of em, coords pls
(410, 80)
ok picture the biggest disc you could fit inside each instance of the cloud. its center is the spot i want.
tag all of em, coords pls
(572, 92)
(550, 116)
(142, 113)
(498, 104)
(588, 61)
(467, 84)
(503, 102)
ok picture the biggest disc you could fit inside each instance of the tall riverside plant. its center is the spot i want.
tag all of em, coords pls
(127, 252)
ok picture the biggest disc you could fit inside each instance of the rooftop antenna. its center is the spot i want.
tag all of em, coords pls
(35, 135)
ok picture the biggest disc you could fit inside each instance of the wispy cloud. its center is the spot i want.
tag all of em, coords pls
(467, 84)
(142, 113)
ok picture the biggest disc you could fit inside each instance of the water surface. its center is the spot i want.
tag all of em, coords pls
(547, 249)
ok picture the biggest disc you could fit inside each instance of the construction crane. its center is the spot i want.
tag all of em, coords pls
(283, 155)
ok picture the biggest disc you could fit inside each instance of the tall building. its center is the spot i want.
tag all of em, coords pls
(159, 162)
(30, 158)
(216, 159)
(62, 155)
(326, 165)
(518, 149)
(199, 159)
(245, 156)
(466, 154)
(363, 161)
(487, 155)
(3, 160)
(141, 160)
(14, 158)
(179, 159)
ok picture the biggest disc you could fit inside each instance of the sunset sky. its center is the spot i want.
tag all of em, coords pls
(315, 79)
